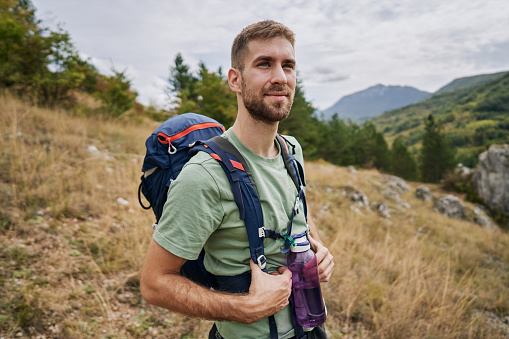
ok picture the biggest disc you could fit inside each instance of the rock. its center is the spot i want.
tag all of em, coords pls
(482, 219)
(93, 150)
(423, 192)
(357, 196)
(352, 169)
(383, 211)
(451, 207)
(391, 194)
(491, 178)
(122, 201)
(463, 171)
(396, 183)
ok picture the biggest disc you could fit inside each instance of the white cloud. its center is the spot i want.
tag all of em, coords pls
(424, 44)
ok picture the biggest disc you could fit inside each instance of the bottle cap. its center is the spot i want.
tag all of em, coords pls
(301, 244)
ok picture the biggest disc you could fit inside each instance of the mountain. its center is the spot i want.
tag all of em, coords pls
(473, 117)
(468, 82)
(373, 101)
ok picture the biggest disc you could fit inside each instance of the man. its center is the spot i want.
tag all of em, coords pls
(201, 211)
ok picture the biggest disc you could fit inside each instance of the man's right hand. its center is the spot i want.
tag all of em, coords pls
(268, 293)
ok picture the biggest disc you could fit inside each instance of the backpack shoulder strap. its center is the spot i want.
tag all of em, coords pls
(293, 167)
(229, 148)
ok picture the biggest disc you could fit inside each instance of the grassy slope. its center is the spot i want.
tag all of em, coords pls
(473, 117)
(71, 254)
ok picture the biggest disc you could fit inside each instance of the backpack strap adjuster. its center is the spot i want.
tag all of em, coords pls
(262, 262)
(261, 232)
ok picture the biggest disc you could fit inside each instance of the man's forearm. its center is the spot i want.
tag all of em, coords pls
(162, 285)
(181, 295)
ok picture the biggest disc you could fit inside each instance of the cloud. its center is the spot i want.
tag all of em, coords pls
(341, 46)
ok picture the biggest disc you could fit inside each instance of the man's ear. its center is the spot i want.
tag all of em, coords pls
(234, 80)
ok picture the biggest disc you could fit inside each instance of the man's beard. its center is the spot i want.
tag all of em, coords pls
(260, 110)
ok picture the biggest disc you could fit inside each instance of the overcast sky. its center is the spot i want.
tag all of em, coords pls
(342, 46)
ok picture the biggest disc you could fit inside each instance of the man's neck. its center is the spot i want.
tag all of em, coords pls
(256, 135)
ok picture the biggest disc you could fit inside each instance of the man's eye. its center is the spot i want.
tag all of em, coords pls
(264, 64)
(289, 66)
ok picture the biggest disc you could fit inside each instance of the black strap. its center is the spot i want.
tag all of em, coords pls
(142, 183)
(287, 161)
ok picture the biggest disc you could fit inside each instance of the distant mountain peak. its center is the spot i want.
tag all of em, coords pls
(374, 101)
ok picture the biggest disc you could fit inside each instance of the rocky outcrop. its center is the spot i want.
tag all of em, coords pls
(451, 206)
(423, 192)
(491, 178)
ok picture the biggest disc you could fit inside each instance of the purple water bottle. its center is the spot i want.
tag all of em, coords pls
(309, 306)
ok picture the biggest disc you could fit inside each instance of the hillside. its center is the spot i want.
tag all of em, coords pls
(373, 101)
(73, 239)
(468, 82)
(473, 117)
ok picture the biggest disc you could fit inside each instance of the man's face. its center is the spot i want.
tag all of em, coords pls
(268, 79)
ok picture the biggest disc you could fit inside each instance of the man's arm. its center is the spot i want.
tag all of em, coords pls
(162, 285)
(323, 256)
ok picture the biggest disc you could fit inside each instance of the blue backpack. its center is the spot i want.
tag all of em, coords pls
(171, 146)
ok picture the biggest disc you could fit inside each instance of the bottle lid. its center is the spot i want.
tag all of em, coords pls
(301, 244)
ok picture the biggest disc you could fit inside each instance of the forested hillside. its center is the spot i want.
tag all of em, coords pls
(473, 118)
(468, 82)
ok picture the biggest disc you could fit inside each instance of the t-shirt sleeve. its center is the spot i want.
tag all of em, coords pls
(192, 212)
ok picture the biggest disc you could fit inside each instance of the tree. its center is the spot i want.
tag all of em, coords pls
(206, 93)
(302, 124)
(402, 163)
(117, 95)
(215, 98)
(436, 156)
(182, 81)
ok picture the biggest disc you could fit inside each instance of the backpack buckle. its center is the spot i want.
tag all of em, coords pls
(261, 232)
(296, 208)
(262, 262)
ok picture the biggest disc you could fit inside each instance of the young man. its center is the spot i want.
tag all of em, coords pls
(201, 211)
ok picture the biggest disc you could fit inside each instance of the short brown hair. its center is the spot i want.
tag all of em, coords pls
(266, 29)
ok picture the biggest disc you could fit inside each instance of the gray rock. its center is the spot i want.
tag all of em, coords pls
(451, 207)
(482, 219)
(491, 178)
(396, 183)
(423, 192)
(391, 194)
(383, 211)
(357, 196)
(352, 169)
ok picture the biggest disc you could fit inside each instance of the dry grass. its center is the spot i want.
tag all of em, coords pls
(71, 254)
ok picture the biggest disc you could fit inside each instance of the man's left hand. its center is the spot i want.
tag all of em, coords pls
(324, 259)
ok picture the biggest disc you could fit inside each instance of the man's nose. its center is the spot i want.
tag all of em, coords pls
(278, 75)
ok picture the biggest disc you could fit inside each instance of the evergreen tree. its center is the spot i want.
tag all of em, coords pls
(302, 124)
(182, 82)
(215, 98)
(336, 143)
(402, 163)
(436, 156)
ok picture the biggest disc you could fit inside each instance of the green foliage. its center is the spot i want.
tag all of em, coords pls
(436, 157)
(116, 94)
(402, 162)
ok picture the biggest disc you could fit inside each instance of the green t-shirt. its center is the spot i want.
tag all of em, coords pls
(201, 212)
